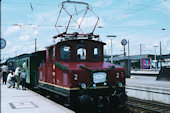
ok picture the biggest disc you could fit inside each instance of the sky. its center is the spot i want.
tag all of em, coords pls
(145, 22)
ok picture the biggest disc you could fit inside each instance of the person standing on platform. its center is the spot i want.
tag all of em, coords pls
(9, 79)
(0, 73)
(13, 78)
(4, 73)
(24, 65)
(23, 79)
(17, 76)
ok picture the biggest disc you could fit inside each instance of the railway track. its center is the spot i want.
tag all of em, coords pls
(135, 105)
(144, 106)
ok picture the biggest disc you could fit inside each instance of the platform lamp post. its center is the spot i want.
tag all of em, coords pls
(155, 57)
(163, 29)
(113, 36)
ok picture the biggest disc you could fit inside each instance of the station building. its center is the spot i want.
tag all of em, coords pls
(141, 64)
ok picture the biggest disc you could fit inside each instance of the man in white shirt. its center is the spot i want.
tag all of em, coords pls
(17, 75)
(9, 79)
(24, 65)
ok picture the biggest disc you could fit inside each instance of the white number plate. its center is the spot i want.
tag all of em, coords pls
(99, 77)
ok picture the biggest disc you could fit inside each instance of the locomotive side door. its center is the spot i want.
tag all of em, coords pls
(53, 66)
(51, 73)
(49, 65)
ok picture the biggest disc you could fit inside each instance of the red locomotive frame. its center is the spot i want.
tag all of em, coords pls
(65, 76)
(75, 69)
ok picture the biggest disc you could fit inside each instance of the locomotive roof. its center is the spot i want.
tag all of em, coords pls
(76, 41)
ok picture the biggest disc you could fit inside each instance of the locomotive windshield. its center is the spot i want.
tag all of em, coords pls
(65, 52)
(95, 53)
(79, 50)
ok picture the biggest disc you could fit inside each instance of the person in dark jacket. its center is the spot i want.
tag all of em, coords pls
(4, 73)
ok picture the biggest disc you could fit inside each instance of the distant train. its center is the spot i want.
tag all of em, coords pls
(74, 70)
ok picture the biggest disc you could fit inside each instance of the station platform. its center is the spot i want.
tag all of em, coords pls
(27, 101)
(148, 88)
(145, 72)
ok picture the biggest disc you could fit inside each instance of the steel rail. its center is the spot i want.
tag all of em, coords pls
(148, 105)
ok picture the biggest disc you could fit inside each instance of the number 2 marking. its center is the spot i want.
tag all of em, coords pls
(75, 77)
(117, 75)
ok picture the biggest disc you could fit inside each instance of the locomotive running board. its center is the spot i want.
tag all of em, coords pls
(56, 92)
(69, 89)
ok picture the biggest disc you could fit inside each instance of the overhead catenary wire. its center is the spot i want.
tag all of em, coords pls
(140, 9)
(38, 3)
(27, 3)
(42, 24)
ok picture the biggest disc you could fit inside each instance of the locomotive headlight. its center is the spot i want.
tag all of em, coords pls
(83, 85)
(119, 84)
(99, 77)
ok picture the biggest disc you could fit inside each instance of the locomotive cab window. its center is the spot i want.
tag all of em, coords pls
(81, 52)
(53, 52)
(65, 52)
(50, 54)
(95, 53)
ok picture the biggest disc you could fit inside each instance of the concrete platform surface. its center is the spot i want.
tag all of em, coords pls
(147, 88)
(27, 101)
(148, 81)
(144, 71)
